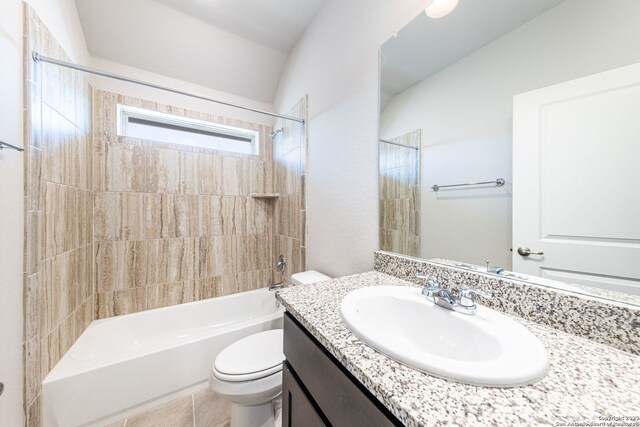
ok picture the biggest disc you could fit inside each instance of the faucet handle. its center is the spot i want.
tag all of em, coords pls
(432, 291)
(432, 281)
(468, 291)
(438, 295)
(466, 295)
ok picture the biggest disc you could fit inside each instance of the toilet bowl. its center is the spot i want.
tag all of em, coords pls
(249, 373)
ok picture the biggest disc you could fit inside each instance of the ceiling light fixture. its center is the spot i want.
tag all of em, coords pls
(440, 8)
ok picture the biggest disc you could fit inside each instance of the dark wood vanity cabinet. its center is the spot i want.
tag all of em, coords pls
(318, 391)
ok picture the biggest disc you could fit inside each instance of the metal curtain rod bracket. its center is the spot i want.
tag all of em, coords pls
(398, 144)
(498, 183)
(14, 147)
(40, 58)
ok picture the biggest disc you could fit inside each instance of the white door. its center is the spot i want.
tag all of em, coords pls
(576, 180)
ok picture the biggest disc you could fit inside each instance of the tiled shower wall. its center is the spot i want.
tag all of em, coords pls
(116, 225)
(400, 195)
(290, 152)
(175, 223)
(58, 286)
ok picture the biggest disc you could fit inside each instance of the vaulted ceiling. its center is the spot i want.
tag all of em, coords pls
(235, 46)
(426, 46)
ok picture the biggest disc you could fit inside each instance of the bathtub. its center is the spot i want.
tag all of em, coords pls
(124, 364)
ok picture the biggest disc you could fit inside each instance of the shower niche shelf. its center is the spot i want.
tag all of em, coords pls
(268, 196)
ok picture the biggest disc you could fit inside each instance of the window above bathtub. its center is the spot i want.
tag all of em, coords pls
(151, 125)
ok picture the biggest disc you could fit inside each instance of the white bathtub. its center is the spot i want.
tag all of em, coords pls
(128, 363)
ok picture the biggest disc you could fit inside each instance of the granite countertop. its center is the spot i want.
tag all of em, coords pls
(585, 380)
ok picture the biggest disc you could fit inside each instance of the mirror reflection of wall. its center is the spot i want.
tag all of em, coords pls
(400, 194)
(454, 78)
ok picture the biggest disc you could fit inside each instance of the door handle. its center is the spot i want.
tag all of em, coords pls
(525, 251)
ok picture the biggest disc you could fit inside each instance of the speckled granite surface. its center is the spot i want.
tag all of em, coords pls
(588, 291)
(586, 379)
(607, 322)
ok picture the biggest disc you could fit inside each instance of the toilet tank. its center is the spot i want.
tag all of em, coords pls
(307, 277)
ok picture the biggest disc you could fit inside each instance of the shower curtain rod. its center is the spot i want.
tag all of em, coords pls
(40, 58)
(398, 144)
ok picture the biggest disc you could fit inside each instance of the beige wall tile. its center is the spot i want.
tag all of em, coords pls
(67, 334)
(162, 170)
(252, 280)
(399, 199)
(171, 294)
(83, 316)
(227, 285)
(217, 256)
(49, 352)
(259, 216)
(33, 242)
(121, 265)
(119, 216)
(34, 413)
(99, 165)
(172, 260)
(209, 174)
(152, 216)
(32, 370)
(200, 229)
(126, 167)
(207, 288)
(303, 258)
(120, 302)
(59, 208)
(58, 295)
(32, 306)
(109, 269)
(188, 183)
(179, 215)
(231, 175)
(233, 212)
(84, 217)
(82, 275)
(135, 264)
(210, 214)
(34, 178)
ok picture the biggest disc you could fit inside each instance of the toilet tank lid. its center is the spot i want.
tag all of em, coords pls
(307, 277)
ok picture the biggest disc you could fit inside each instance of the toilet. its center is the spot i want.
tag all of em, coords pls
(249, 372)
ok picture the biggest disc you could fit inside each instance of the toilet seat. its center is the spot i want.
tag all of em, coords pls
(256, 356)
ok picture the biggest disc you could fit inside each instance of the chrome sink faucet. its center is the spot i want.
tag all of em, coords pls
(494, 270)
(463, 302)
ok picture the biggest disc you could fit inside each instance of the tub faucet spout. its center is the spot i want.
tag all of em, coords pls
(276, 286)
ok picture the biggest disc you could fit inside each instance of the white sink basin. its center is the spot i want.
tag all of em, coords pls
(486, 349)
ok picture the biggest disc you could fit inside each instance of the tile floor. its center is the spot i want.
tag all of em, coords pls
(201, 409)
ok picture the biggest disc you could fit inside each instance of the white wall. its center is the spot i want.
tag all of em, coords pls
(155, 95)
(336, 63)
(465, 112)
(11, 214)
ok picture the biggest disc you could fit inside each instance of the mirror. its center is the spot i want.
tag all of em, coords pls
(509, 142)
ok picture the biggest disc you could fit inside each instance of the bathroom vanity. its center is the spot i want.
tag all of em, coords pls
(317, 390)
(333, 378)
